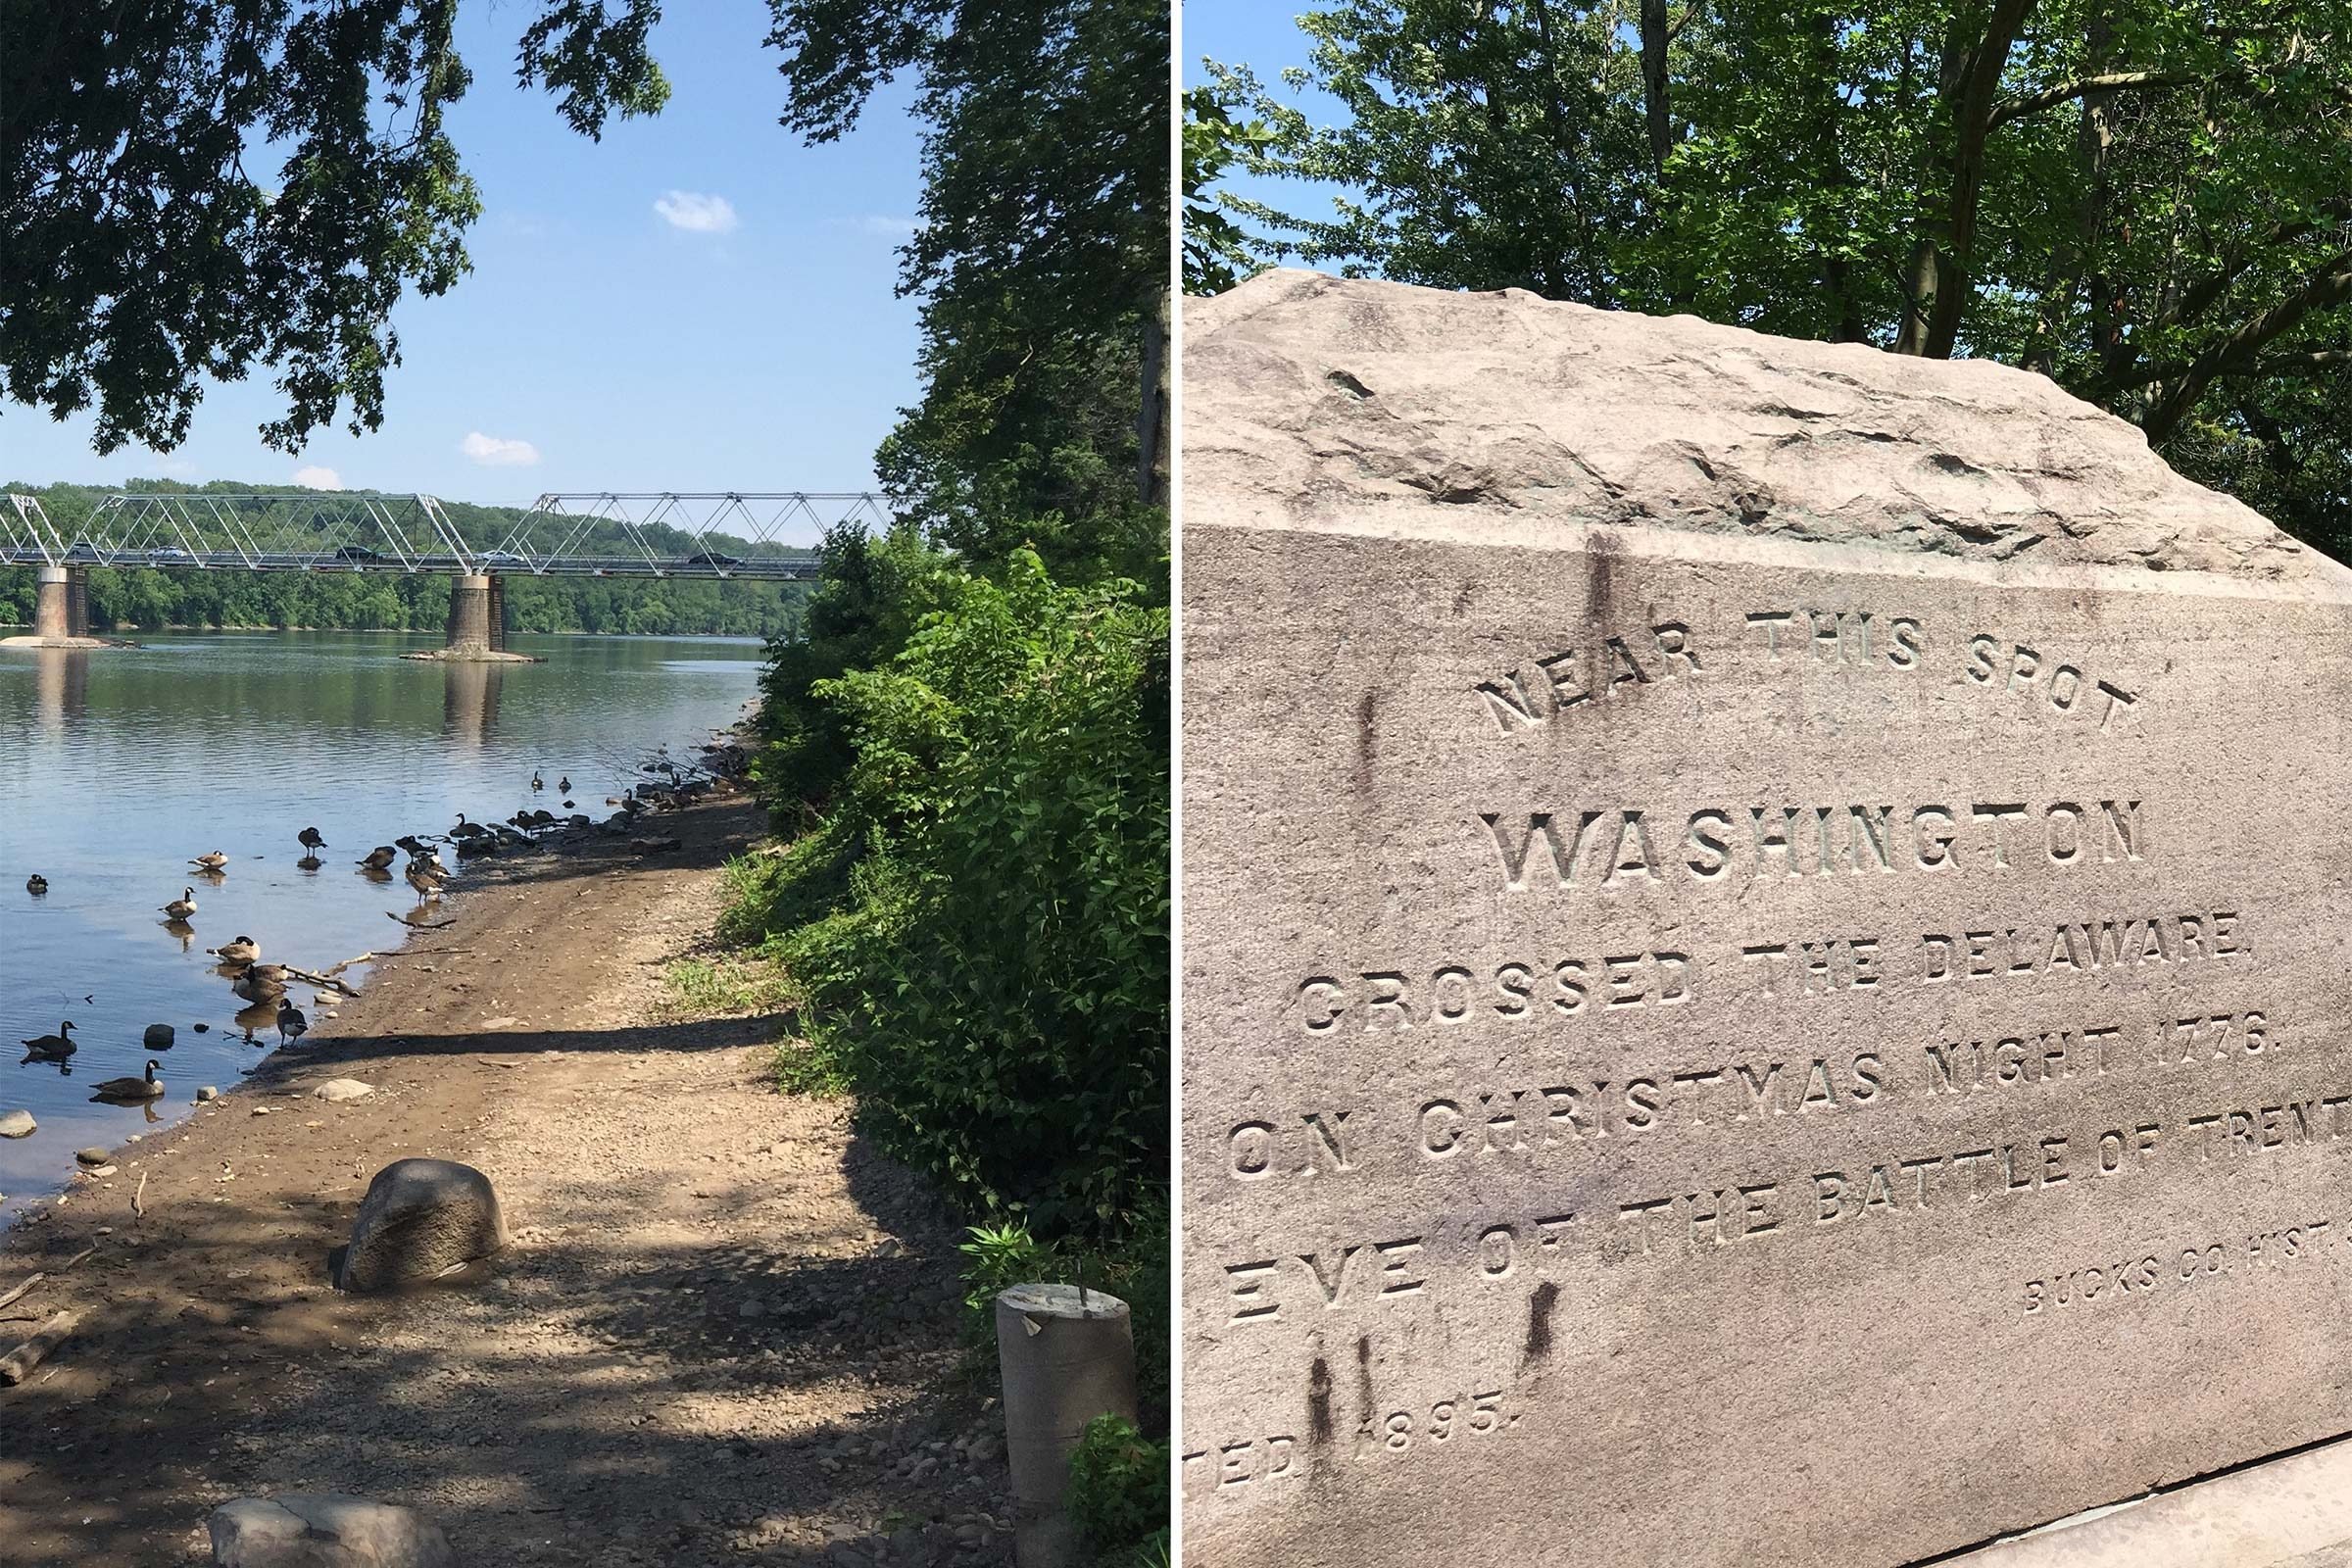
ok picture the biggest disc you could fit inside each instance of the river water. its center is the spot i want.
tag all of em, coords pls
(120, 765)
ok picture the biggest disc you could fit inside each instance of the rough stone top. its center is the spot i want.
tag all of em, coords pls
(1316, 402)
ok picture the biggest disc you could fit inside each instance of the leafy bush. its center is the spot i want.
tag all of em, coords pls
(1118, 1493)
(869, 594)
(978, 931)
(1136, 1269)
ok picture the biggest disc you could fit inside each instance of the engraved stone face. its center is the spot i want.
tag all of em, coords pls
(1766, 1038)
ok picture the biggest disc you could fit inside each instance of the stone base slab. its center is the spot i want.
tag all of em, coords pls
(2292, 1512)
(473, 655)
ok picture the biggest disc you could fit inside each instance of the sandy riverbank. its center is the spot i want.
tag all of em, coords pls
(725, 1333)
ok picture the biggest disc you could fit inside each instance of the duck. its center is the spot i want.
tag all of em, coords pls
(291, 1025)
(378, 858)
(181, 907)
(36, 884)
(243, 950)
(308, 838)
(53, 1048)
(148, 1088)
(214, 862)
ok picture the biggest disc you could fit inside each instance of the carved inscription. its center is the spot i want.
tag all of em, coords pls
(1609, 847)
(1583, 675)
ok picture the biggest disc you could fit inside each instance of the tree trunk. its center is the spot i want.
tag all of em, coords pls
(1152, 425)
(1655, 86)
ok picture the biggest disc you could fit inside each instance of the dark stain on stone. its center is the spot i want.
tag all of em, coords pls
(1367, 739)
(1349, 384)
(1318, 1403)
(1364, 1379)
(1538, 1324)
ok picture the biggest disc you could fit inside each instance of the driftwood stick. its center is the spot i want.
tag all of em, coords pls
(419, 925)
(138, 1200)
(17, 1364)
(322, 979)
(75, 1258)
(12, 1297)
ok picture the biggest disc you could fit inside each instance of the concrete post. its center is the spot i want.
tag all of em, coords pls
(77, 600)
(1067, 1357)
(53, 603)
(469, 613)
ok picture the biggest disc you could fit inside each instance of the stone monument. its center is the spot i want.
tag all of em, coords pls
(1767, 947)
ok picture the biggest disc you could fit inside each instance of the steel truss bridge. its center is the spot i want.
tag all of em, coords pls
(768, 536)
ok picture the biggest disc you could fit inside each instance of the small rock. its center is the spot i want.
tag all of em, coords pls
(338, 1088)
(324, 1530)
(421, 1219)
(159, 1037)
(261, 1110)
(202, 1028)
(753, 1307)
(99, 1171)
(16, 1124)
(208, 1092)
(92, 1156)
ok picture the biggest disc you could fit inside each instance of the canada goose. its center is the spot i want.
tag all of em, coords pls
(53, 1048)
(262, 982)
(537, 783)
(181, 907)
(214, 862)
(430, 864)
(379, 858)
(511, 834)
(563, 785)
(308, 838)
(291, 1025)
(467, 832)
(427, 886)
(36, 884)
(148, 1088)
(244, 950)
(413, 844)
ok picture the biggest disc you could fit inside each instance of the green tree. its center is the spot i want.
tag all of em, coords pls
(138, 252)
(1041, 262)
(2150, 203)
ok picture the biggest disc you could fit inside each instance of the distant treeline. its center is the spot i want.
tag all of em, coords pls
(149, 599)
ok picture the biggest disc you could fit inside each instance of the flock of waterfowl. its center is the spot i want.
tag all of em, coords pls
(261, 987)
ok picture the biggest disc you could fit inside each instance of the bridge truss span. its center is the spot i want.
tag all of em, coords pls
(755, 536)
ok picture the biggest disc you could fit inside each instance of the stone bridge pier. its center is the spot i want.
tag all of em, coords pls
(61, 608)
(477, 622)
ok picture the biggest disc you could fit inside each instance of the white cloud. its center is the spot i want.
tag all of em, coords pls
(495, 452)
(318, 478)
(696, 214)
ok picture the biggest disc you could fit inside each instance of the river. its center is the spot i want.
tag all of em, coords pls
(120, 765)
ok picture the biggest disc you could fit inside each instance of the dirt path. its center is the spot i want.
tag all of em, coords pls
(726, 1330)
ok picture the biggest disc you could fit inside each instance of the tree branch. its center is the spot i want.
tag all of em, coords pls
(2052, 96)
(2238, 353)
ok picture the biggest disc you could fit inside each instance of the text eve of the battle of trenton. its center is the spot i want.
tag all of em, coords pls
(2022, 1014)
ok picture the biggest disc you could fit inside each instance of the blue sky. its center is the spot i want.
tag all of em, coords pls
(1266, 38)
(620, 328)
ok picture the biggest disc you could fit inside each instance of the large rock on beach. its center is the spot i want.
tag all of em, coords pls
(421, 1219)
(325, 1530)
(16, 1124)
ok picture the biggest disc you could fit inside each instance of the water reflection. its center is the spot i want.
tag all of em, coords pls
(181, 931)
(470, 701)
(61, 686)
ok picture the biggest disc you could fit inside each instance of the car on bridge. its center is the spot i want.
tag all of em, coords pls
(711, 557)
(165, 555)
(356, 552)
(499, 557)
